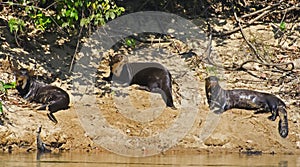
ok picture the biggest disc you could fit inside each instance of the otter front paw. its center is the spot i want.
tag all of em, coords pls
(217, 110)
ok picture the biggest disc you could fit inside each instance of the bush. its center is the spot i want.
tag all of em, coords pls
(71, 15)
(3, 92)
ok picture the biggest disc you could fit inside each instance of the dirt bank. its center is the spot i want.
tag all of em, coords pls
(234, 131)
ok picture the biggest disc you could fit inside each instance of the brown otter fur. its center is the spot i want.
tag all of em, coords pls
(52, 98)
(152, 76)
(220, 100)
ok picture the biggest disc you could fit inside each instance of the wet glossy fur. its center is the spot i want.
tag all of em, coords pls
(152, 76)
(51, 97)
(220, 100)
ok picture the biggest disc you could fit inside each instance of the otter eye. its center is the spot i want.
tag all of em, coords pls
(19, 81)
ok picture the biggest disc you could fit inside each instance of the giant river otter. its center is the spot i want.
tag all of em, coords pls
(52, 98)
(220, 100)
(41, 146)
(152, 76)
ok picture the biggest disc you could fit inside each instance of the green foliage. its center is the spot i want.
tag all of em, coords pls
(5, 86)
(130, 42)
(1, 108)
(282, 26)
(16, 25)
(3, 90)
(68, 14)
(211, 70)
(40, 20)
(100, 12)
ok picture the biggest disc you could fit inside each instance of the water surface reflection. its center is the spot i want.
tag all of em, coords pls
(112, 160)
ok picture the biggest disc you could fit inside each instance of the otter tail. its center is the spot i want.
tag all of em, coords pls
(283, 122)
(169, 98)
(167, 89)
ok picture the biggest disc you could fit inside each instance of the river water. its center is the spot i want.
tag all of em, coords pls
(112, 160)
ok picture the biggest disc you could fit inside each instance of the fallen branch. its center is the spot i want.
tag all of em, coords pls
(241, 66)
(261, 10)
(295, 7)
(249, 44)
(244, 26)
(76, 50)
(256, 53)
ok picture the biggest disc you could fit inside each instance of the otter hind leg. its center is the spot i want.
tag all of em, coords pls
(266, 107)
(58, 104)
(50, 115)
(55, 106)
(274, 113)
(261, 111)
(273, 116)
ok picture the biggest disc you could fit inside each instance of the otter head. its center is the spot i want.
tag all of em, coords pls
(116, 64)
(212, 86)
(23, 78)
(212, 82)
